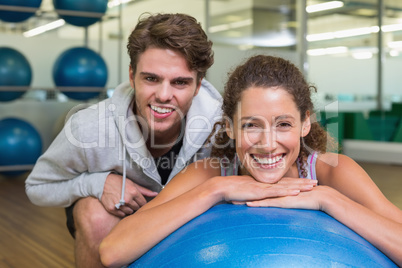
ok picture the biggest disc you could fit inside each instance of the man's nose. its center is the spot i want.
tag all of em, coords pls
(164, 93)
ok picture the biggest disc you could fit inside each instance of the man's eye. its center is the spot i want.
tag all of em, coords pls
(181, 83)
(151, 79)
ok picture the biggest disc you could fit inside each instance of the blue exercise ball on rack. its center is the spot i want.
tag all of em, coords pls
(80, 67)
(239, 236)
(20, 144)
(15, 71)
(89, 6)
(18, 16)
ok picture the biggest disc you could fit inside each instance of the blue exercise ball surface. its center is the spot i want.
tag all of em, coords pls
(80, 67)
(17, 16)
(20, 144)
(97, 6)
(240, 236)
(16, 71)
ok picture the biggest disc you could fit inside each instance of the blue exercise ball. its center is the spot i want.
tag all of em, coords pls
(80, 67)
(20, 144)
(15, 70)
(18, 16)
(240, 236)
(96, 6)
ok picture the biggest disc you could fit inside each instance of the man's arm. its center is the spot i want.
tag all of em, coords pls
(61, 175)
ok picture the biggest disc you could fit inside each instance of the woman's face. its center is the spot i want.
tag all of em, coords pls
(267, 130)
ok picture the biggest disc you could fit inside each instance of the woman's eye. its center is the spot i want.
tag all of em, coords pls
(249, 125)
(284, 125)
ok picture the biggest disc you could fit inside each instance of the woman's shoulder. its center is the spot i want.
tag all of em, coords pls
(330, 165)
(334, 160)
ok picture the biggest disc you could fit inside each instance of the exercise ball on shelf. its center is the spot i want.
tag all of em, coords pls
(240, 236)
(18, 16)
(15, 71)
(95, 6)
(20, 144)
(80, 67)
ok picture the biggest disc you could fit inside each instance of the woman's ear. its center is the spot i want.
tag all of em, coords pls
(229, 129)
(306, 125)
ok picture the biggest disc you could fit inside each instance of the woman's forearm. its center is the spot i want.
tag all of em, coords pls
(383, 233)
(138, 233)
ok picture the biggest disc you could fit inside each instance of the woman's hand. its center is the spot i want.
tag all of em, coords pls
(304, 200)
(243, 189)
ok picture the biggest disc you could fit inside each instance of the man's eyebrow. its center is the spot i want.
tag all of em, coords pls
(181, 78)
(149, 74)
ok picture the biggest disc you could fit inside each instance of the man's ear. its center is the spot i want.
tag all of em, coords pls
(306, 127)
(131, 76)
(198, 88)
(229, 129)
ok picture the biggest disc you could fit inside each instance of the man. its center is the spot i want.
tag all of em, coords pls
(148, 131)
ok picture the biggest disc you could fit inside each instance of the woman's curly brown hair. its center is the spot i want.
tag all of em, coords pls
(266, 72)
(177, 32)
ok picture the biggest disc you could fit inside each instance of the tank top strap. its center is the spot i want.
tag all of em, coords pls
(309, 166)
(229, 168)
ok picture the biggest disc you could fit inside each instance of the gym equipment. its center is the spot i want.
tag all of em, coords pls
(240, 236)
(20, 144)
(15, 71)
(80, 67)
(18, 16)
(96, 6)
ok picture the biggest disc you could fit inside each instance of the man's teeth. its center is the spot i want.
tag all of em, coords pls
(161, 110)
(268, 161)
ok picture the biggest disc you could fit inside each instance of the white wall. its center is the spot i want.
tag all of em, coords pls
(345, 75)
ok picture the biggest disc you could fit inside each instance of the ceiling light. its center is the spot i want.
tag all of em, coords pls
(115, 3)
(392, 27)
(363, 55)
(232, 25)
(324, 6)
(44, 28)
(395, 44)
(327, 51)
(342, 34)
(355, 32)
(394, 53)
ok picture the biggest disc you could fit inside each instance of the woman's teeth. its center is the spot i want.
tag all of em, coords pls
(268, 160)
(161, 110)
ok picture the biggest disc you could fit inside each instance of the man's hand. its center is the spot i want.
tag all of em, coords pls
(133, 195)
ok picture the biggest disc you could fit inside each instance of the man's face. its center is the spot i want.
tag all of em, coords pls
(164, 90)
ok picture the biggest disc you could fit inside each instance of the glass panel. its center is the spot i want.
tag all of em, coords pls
(342, 52)
(240, 28)
(393, 51)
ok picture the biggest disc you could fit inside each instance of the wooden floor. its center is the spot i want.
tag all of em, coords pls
(31, 236)
(36, 237)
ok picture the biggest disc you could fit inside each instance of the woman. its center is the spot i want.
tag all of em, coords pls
(266, 145)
